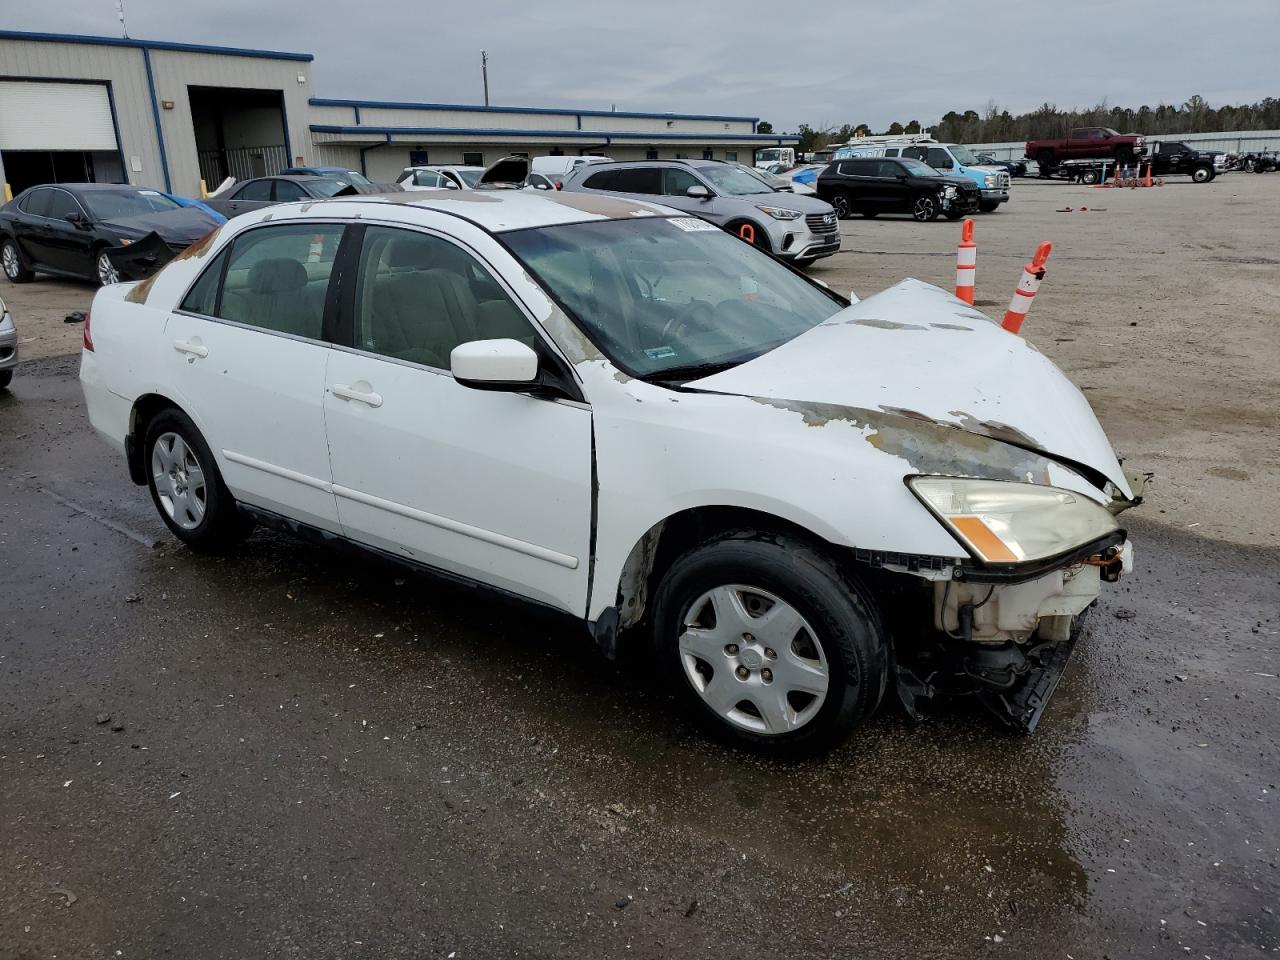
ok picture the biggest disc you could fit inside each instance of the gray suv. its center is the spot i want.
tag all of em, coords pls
(795, 228)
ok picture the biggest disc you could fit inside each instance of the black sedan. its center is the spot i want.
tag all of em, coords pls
(66, 229)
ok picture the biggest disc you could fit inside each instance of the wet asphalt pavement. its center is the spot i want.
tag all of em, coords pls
(319, 756)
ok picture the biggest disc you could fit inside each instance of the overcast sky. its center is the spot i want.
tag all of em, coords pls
(823, 62)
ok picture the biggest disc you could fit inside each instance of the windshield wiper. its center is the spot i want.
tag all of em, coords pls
(692, 371)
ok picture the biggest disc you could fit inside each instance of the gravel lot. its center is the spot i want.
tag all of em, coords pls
(283, 753)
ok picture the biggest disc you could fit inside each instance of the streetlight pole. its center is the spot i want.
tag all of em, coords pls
(484, 72)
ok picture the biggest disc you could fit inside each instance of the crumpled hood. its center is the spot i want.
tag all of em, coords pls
(184, 225)
(917, 352)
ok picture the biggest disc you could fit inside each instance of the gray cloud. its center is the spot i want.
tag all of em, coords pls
(822, 63)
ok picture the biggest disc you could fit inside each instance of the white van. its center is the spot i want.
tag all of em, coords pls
(563, 165)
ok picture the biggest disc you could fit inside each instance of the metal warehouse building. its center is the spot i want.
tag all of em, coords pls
(164, 114)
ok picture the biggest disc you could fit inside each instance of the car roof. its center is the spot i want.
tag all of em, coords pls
(87, 187)
(496, 211)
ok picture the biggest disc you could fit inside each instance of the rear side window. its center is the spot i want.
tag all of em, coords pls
(604, 180)
(36, 202)
(891, 152)
(254, 190)
(641, 180)
(277, 278)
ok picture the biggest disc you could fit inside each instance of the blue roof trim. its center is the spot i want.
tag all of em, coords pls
(778, 138)
(154, 45)
(558, 111)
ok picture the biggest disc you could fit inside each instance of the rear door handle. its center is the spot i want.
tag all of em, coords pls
(192, 347)
(345, 392)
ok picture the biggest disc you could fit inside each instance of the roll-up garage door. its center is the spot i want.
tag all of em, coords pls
(55, 116)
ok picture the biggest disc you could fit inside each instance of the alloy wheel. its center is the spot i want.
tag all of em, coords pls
(106, 270)
(10, 258)
(179, 481)
(925, 208)
(754, 659)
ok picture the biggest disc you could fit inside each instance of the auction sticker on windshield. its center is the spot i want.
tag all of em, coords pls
(692, 224)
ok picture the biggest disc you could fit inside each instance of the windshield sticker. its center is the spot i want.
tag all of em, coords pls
(692, 224)
(659, 353)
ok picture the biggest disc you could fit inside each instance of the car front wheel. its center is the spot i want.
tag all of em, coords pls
(1202, 174)
(187, 488)
(770, 643)
(105, 269)
(925, 207)
(11, 260)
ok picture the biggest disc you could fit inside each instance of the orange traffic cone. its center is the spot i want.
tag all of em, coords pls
(966, 263)
(1025, 292)
(1149, 165)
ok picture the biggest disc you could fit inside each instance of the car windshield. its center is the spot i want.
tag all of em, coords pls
(113, 204)
(470, 177)
(326, 188)
(671, 299)
(963, 154)
(732, 180)
(918, 168)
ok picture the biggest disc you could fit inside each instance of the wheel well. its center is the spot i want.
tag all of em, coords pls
(669, 539)
(145, 409)
(762, 237)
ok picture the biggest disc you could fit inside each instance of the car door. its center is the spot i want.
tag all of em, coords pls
(248, 362)
(492, 486)
(891, 185)
(31, 227)
(69, 245)
(675, 185)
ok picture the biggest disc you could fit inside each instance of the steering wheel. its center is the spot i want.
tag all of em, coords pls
(698, 313)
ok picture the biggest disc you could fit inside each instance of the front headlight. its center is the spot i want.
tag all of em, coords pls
(990, 180)
(780, 213)
(1002, 521)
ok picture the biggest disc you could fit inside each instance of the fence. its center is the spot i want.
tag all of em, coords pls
(243, 163)
(1237, 141)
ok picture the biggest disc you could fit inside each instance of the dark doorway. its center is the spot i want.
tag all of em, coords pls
(239, 133)
(26, 168)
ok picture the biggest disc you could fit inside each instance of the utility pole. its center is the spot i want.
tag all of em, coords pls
(484, 72)
(124, 27)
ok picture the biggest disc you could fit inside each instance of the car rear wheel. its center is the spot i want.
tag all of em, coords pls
(842, 205)
(105, 269)
(770, 643)
(1089, 176)
(11, 260)
(925, 207)
(187, 488)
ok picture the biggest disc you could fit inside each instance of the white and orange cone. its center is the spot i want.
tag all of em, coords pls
(1025, 292)
(966, 263)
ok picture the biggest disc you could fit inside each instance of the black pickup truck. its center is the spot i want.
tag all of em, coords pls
(1172, 156)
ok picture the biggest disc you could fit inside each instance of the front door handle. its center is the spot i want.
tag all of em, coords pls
(194, 348)
(347, 392)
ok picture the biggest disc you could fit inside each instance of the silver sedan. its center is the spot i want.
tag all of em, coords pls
(8, 346)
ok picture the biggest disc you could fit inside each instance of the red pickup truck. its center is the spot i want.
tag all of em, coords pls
(1085, 143)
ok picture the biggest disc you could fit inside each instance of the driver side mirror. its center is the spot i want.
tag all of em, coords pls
(77, 219)
(698, 192)
(494, 365)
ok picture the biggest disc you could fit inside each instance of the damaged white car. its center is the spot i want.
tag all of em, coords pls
(628, 415)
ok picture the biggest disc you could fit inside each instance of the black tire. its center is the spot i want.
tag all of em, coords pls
(1202, 174)
(1088, 176)
(14, 266)
(221, 526)
(842, 205)
(1044, 160)
(954, 214)
(103, 268)
(989, 206)
(842, 618)
(6, 378)
(925, 207)
(759, 237)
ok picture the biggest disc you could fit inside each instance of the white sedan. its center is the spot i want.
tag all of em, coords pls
(626, 414)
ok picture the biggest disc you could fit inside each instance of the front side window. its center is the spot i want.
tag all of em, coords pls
(470, 177)
(963, 155)
(418, 297)
(671, 298)
(287, 191)
(427, 178)
(676, 183)
(276, 278)
(63, 205)
(918, 167)
(938, 158)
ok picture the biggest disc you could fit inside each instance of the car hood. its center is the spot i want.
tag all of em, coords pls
(916, 352)
(794, 201)
(184, 225)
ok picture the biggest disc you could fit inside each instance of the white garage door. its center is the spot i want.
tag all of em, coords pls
(55, 116)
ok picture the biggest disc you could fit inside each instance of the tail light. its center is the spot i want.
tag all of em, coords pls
(88, 337)
(559, 185)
